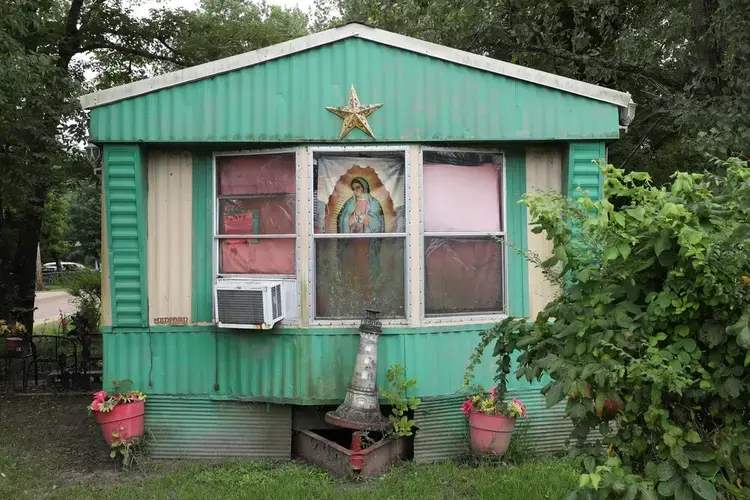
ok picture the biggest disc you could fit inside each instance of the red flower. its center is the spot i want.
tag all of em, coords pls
(492, 393)
(521, 406)
(100, 395)
(467, 407)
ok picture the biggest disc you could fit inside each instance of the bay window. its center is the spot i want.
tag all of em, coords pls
(463, 223)
(359, 207)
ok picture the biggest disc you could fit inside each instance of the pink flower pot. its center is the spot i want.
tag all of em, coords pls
(124, 419)
(490, 433)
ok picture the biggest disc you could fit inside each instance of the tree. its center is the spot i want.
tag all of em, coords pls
(686, 64)
(42, 126)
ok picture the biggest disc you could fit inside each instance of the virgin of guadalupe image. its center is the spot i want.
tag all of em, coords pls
(361, 213)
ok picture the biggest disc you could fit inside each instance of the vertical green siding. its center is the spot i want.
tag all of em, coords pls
(518, 273)
(202, 237)
(424, 99)
(125, 195)
(581, 171)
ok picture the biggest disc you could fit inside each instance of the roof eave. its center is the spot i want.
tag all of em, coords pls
(621, 99)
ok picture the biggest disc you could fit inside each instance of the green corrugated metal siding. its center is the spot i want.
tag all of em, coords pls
(424, 99)
(443, 431)
(201, 428)
(581, 171)
(202, 237)
(518, 272)
(126, 216)
(286, 365)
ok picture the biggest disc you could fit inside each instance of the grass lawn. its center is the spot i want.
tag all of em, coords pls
(49, 448)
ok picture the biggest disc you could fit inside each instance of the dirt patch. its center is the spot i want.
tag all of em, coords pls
(54, 429)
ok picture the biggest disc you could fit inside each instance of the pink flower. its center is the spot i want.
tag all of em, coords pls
(95, 404)
(492, 393)
(521, 406)
(100, 395)
(467, 407)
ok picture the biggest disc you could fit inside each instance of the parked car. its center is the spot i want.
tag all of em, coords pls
(51, 267)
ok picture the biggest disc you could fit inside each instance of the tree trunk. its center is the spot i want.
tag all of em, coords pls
(710, 48)
(24, 263)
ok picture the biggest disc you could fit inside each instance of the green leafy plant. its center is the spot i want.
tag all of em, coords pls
(395, 394)
(651, 331)
(86, 288)
(128, 450)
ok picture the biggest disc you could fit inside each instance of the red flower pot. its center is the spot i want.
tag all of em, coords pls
(125, 419)
(490, 433)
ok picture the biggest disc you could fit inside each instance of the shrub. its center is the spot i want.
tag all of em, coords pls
(652, 331)
(86, 288)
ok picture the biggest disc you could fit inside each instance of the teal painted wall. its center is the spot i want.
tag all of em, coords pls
(125, 202)
(581, 171)
(301, 366)
(424, 99)
(202, 237)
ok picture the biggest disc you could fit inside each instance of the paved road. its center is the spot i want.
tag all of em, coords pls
(49, 305)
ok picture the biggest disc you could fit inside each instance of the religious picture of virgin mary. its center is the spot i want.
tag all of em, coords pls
(361, 213)
(366, 196)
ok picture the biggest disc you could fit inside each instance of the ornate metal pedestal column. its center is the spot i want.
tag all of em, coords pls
(360, 409)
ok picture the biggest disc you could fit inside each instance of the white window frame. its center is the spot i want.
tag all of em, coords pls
(463, 317)
(311, 296)
(218, 237)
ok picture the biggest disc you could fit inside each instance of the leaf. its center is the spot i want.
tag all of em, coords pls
(624, 250)
(747, 359)
(683, 492)
(662, 243)
(554, 395)
(113, 453)
(666, 470)
(667, 488)
(678, 454)
(631, 493)
(699, 453)
(610, 253)
(584, 480)
(701, 487)
(745, 460)
(689, 345)
(733, 387)
(595, 480)
(741, 330)
(692, 437)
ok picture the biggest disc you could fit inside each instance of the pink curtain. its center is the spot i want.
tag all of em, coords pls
(461, 199)
(462, 276)
(261, 256)
(257, 174)
(274, 215)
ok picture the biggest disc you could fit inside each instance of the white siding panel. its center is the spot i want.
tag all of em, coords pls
(170, 234)
(543, 173)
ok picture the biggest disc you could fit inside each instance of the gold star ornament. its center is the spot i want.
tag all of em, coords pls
(354, 115)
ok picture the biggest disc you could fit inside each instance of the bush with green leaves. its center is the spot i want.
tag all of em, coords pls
(401, 404)
(86, 288)
(648, 340)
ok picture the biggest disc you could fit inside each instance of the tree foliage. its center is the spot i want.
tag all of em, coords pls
(652, 330)
(685, 63)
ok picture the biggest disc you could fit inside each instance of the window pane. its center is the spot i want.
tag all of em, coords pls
(463, 275)
(357, 273)
(462, 192)
(257, 256)
(261, 215)
(359, 194)
(256, 174)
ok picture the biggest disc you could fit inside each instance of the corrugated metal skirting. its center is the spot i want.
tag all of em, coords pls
(443, 431)
(202, 428)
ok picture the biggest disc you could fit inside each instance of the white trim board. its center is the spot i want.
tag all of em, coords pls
(621, 99)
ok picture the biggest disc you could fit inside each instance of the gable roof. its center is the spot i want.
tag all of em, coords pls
(622, 100)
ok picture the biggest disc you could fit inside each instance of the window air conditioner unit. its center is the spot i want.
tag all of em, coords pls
(248, 304)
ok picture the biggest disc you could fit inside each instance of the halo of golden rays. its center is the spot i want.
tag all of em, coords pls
(343, 191)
